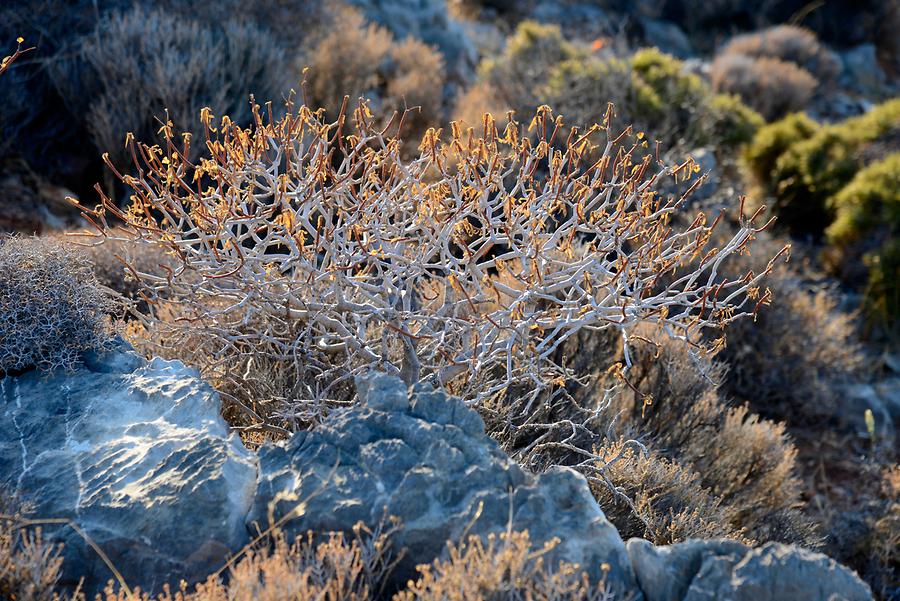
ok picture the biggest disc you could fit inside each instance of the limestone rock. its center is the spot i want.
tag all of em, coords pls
(429, 463)
(136, 455)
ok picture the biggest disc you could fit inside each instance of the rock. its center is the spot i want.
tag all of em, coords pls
(668, 37)
(888, 391)
(136, 455)
(862, 71)
(429, 463)
(721, 569)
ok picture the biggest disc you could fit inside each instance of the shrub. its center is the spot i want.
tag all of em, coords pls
(871, 201)
(153, 67)
(789, 363)
(771, 141)
(810, 172)
(650, 89)
(729, 122)
(788, 43)
(363, 60)
(427, 268)
(771, 86)
(744, 464)
(51, 307)
(29, 567)
(504, 568)
(652, 497)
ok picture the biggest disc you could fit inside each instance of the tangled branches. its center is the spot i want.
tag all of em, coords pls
(315, 243)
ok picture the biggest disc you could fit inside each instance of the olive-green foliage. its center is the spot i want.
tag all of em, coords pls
(811, 171)
(771, 141)
(650, 89)
(871, 200)
(867, 218)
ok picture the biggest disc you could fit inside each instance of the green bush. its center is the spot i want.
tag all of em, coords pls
(51, 307)
(729, 121)
(811, 171)
(771, 141)
(867, 218)
(649, 89)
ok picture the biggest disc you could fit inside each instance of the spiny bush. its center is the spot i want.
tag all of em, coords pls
(788, 43)
(51, 307)
(771, 86)
(29, 566)
(811, 171)
(650, 89)
(468, 266)
(154, 67)
(360, 59)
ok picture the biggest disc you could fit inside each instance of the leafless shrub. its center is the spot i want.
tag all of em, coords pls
(468, 266)
(790, 361)
(51, 307)
(791, 44)
(658, 499)
(672, 403)
(771, 86)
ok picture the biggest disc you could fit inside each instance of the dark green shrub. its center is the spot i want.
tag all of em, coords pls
(810, 172)
(51, 307)
(867, 222)
(771, 141)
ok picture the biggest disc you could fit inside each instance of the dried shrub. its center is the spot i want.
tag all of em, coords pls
(652, 497)
(153, 67)
(431, 268)
(650, 89)
(504, 568)
(771, 86)
(791, 44)
(745, 464)
(29, 566)
(360, 59)
(789, 363)
(333, 566)
(52, 308)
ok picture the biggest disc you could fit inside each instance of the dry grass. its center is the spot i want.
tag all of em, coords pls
(29, 567)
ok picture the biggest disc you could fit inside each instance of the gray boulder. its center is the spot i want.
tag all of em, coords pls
(721, 570)
(425, 459)
(137, 456)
